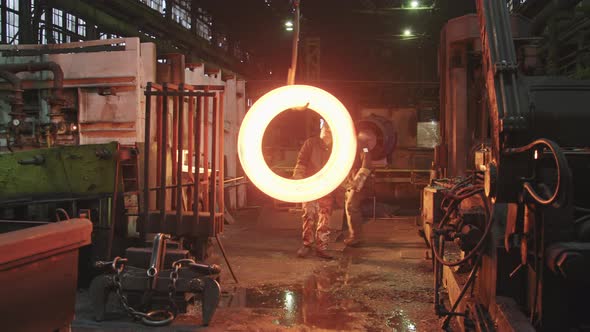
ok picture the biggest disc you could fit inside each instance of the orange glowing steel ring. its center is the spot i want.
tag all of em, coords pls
(261, 114)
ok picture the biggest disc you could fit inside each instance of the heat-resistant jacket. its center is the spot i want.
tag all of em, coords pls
(313, 155)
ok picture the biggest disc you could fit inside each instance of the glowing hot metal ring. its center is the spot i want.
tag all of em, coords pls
(261, 114)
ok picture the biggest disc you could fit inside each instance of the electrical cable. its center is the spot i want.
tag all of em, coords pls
(478, 245)
(582, 219)
(462, 183)
(460, 195)
(64, 212)
(459, 185)
(462, 293)
(582, 209)
(561, 165)
(453, 206)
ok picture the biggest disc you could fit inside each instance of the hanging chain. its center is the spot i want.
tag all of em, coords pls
(118, 267)
(173, 278)
(172, 286)
(154, 317)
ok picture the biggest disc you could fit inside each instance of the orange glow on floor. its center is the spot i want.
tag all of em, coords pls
(266, 109)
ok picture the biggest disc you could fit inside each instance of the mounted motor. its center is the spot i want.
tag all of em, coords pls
(379, 135)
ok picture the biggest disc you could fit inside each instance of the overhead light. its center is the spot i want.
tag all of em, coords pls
(414, 4)
(407, 32)
(289, 26)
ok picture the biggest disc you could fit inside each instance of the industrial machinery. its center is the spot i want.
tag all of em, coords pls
(506, 212)
(101, 138)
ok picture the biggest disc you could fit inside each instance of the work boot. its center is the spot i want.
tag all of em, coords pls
(352, 242)
(323, 254)
(303, 251)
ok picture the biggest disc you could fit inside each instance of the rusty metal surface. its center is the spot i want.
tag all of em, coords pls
(66, 171)
(28, 245)
(78, 82)
(174, 104)
(186, 226)
(38, 275)
(507, 316)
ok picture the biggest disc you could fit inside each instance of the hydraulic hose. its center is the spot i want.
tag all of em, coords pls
(563, 173)
(478, 245)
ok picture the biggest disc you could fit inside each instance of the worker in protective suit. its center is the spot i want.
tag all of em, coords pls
(313, 155)
(354, 185)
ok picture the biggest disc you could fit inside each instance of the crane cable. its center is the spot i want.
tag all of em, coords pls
(293, 69)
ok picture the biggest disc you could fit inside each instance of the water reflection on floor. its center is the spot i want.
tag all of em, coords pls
(325, 300)
(311, 304)
(399, 322)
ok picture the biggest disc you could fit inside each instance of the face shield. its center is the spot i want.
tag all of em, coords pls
(326, 134)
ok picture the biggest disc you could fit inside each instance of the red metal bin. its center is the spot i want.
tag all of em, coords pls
(38, 275)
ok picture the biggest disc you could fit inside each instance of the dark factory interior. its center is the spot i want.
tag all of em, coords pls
(294, 165)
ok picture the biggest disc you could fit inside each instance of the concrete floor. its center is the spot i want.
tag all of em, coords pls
(385, 285)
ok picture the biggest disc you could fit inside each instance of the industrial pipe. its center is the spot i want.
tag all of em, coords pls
(57, 100)
(17, 101)
(549, 10)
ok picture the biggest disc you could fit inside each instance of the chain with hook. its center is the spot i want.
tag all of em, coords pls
(176, 265)
(153, 317)
(149, 318)
(172, 287)
(118, 266)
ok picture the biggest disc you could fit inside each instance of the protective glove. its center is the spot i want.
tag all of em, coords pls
(298, 173)
(360, 178)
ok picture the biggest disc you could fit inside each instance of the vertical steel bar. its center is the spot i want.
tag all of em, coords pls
(174, 149)
(159, 106)
(146, 161)
(163, 154)
(221, 131)
(226, 259)
(180, 155)
(197, 181)
(214, 157)
(206, 150)
(191, 150)
(113, 214)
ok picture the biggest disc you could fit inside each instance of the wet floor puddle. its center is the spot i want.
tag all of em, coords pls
(298, 305)
(314, 304)
(327, 299)
(311, 303)
(399, 322)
